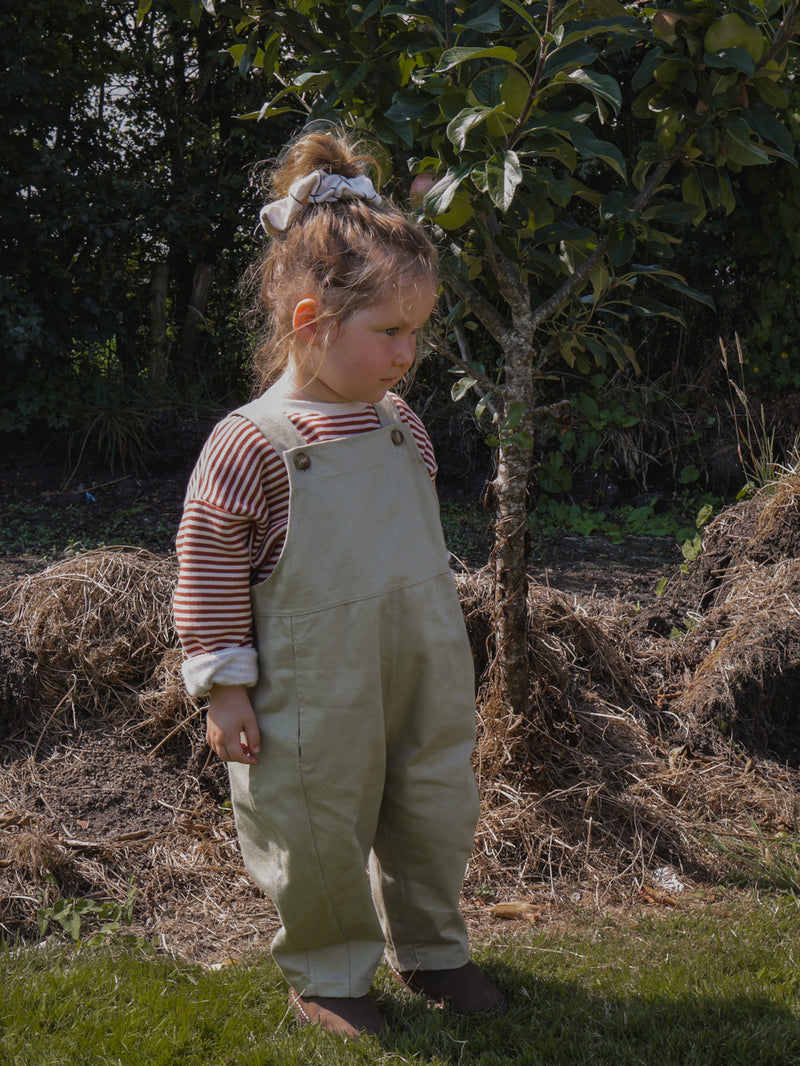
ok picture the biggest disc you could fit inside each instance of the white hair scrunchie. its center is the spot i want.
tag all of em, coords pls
(318, 187)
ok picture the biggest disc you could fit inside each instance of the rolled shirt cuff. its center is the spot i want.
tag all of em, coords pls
(230, 666)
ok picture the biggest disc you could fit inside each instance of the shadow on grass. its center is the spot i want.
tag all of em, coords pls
(98, 1008)
(561, 1024)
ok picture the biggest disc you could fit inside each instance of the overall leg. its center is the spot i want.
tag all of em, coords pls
(430, 803)
(307, 813)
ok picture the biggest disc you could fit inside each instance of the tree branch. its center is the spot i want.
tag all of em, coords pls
(506, 336)
(484, 384)
(511, 287)
(536, 80)
(550, 306)
(783, 34)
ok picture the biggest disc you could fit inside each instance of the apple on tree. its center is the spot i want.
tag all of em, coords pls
(458, 211)
(731, 31)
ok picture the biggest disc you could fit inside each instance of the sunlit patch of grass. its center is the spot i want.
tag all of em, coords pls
(714, 986)
(766, 862)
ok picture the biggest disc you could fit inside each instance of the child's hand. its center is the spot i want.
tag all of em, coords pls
(231, 728)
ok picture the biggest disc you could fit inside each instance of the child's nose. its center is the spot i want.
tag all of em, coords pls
(406, 351)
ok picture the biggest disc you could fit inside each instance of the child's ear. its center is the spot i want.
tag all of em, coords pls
(305, 317)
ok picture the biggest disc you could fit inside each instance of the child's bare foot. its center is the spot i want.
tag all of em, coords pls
(465, 989)
(347, 1016)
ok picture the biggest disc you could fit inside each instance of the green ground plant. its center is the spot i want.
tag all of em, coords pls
(715, 985)
(73, 915)
(675, 520)
(35, 529)
(771, 863)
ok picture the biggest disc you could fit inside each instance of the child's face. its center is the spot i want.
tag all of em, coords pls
(371, 350)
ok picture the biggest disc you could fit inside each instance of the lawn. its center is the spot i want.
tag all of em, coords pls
(712, 983)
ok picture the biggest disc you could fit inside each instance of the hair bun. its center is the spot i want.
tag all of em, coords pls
(333, 153)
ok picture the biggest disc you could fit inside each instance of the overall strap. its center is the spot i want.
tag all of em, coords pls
(387, 412)
(266, 414)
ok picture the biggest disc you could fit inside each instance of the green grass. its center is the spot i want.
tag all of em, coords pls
(36, 529)
(720, 985)
(466, 531)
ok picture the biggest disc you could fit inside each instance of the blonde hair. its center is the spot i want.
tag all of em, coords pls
(346, 253)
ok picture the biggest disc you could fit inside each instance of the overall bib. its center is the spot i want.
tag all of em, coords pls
(366, 707)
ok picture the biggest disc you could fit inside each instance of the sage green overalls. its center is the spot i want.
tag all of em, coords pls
(366, 707)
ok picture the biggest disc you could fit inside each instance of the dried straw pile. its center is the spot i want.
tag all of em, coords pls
(98, 630)
(599, 783)
(637, 748)
(743, 651)
(104, 776)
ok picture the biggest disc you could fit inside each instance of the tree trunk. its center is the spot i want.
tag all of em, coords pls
(159, 347)
(509, 558)
(195, 313)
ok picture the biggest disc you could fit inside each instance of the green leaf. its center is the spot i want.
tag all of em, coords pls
(265, 112)
(770, 128)
(591, 147)
(354, 78)
(458, 129)
(246, 55)
(453, 57)
(485, 22)
(615, 26)
(503, 176)
(670, 280)
(520, 10)
(461, 387)
(409, 104)
(563, 231)
(736, 138)
(600, 279)
(602, 85)
(358, 13)
(624, 355)
(440, 196)
(142, 10)
(650, 308)
(573, 55)
(770, 92)
(482, 404)
(617, 204)
(514, 415)
(609, 9)
(674, 214)
(692, 192)
(726, 197)
(738, 58)
(643, 77)
(703, 515)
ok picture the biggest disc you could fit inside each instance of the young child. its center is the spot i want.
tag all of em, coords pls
(317, 610)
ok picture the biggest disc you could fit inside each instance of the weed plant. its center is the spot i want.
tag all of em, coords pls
(37, 529)
(675, 520)
(714, 986)
(766, 862)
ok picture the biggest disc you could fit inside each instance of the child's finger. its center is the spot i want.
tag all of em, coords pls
(244, 752)
(250, 737)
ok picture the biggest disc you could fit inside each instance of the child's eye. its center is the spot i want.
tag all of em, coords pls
(391, 331)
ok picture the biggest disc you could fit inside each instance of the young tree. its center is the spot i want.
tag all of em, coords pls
(555, 143)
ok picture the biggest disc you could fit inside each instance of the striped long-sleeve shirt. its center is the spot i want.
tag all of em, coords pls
(233, 529)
